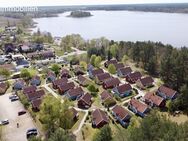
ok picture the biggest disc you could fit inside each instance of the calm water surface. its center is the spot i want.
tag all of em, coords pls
(122, 25)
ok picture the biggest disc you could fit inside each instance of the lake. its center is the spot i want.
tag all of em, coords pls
(169, 28)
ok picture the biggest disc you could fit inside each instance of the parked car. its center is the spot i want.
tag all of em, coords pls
(22, 112)
(31, 132)
(12, 96)
(15, 98)
(4, 122)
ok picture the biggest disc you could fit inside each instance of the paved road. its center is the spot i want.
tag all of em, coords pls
(9, 110)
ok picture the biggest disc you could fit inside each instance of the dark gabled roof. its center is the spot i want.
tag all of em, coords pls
(29, 89)
(120, 112)
(119, 65)
(64, 71)
(112, 61)
(81, 78)
(105, 95)
(157, 100)
(60, 81)
(112, 82)
(135, 75)
(97, 71)
(103, 76)
(86, 98)
(146, 80)
(66, 86)
(36, 103)
(35, 95)
(47, 53)
(3, 86)
(75, 92)
(141, 107)
(99, 116)
(167, 91)
(124, 88)
(125, 71)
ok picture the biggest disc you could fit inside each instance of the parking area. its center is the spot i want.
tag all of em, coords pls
(9, 110)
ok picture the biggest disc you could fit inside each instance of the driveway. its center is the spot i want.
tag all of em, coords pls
(9, 110)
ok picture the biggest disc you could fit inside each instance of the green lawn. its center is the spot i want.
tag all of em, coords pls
(76, 125)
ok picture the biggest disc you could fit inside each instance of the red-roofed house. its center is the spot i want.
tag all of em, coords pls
(137, 107)
(145, 82)
(99, 118)
(100, 78)
(133, 77)
(75, 93)
(121, 115)
(107, 99)
(111, 83)
(85, 101)
(29, 89)
(65, 87)
(123, 90)
(123, 72)
(154, 100)
(167, 93)
(58, 82)
(35, 95)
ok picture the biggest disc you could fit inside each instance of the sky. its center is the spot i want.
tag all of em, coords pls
(10, 3)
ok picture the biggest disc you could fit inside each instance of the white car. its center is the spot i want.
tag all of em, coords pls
(4, 122)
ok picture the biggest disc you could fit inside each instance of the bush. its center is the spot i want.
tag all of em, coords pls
(92, 88)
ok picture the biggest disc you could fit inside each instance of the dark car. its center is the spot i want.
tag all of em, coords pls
(14, 98)
(31, 132)
(21, 112)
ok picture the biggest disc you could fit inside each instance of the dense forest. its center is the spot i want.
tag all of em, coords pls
(79, 14)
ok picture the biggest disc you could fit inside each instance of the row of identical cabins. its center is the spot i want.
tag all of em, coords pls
(68, 88)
